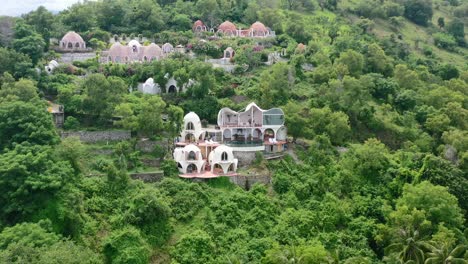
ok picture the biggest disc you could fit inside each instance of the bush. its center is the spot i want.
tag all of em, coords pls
(71, 123)
(258, 158)
(445, 41)
(126, 246)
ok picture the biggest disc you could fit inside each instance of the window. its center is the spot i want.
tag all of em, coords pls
(224, 156)
(77, 45)
(192, 156)
(190, 126)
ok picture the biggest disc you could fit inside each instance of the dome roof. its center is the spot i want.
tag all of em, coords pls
(191, 117)
(167, 47)
(150, 81)
(152, 50)
(134, 42)
(198, 23)
(259, 27)
(53, 63)
(191, 147)
(301, 46)
(73, 37)
(227, 26)
(217, 154)
(118, 49)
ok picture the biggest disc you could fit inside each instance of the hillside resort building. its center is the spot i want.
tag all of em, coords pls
(213, 151)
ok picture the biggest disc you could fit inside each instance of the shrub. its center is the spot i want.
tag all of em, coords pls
(126, 246)
(71, 123)
(445, 41)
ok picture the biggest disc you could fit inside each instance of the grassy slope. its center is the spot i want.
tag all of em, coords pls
(411, 33)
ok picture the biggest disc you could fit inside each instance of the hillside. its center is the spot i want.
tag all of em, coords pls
(235, 131)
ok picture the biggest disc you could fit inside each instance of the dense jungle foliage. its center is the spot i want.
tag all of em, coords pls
(376, 108)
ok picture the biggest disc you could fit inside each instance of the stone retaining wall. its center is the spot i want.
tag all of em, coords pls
(96, 136)
(148, 176)
(245, 158)
(246, 182)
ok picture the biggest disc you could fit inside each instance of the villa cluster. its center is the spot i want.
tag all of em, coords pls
(135, 52)
(218, 150)
(228, 29)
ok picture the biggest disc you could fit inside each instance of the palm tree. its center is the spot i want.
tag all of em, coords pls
(410, 247)
(444, 254)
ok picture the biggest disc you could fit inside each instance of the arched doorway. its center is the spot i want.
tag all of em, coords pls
(192, 168)
(179, 165)
(189, 138)
(269, 133)
(217, 169)
(231, 168)
(70, 45)
(172, 89)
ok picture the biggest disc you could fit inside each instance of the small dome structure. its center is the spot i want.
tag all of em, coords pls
(189, 159)
(258, 29)
(149, 87)
(192, 117)
(192, 130)
(227, 28)
(167, 48)
(152, 52)
(229, 53)
(117, 53)
(222, 158)
(300, 48)
(51, 66)
(198, 26)
(72, 41)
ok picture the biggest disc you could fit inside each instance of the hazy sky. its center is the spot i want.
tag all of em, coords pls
(18, 7)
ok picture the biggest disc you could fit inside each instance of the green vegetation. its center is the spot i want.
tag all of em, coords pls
(376, 108)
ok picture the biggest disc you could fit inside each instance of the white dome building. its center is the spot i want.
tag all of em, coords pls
(53, 64)
(149, 87)
(192, 131)
(222, 160)
(189, 159)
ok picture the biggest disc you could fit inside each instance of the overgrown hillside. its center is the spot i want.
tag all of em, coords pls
(376, 106)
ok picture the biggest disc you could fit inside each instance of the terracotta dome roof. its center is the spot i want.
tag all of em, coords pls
(301, 47)
(259, 27)
(227, 26)
(198, 23)
(73, 37)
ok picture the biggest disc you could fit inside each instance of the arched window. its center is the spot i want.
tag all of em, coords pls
(192, 156)
(109, 59)
(224, 156)
(134, 49)
(63, 45)
(77, 45)
(190, 126)
(70, 45)
(145, 58)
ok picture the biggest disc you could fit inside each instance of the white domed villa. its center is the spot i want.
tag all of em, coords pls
(233, 141)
